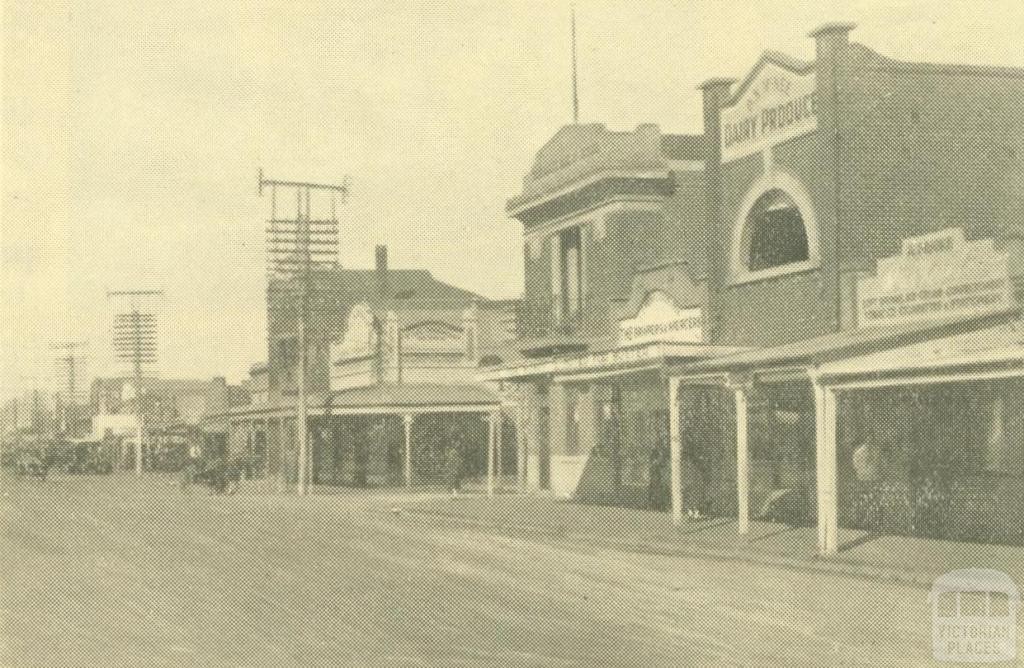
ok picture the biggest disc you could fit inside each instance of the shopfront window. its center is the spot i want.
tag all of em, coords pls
(941, 461)
(1004, 445)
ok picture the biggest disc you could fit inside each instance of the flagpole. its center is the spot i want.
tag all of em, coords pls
(575, 97)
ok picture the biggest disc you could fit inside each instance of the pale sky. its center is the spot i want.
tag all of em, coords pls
(133, 132)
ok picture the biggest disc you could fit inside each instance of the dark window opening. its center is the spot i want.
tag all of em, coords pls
(571, 265)
(776, 233)
(288, 354)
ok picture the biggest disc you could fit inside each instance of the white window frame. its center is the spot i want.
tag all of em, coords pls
(776, 179)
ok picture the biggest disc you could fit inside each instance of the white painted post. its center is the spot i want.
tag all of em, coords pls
(520, 447)
(490, 455)
(675, 451)
(408, 451)
(742, 463)
(498, 468)
(138, 446)
(828, 514)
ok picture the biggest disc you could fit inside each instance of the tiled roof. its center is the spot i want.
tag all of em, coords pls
(358, 285)
(684, 147)
(578, 154)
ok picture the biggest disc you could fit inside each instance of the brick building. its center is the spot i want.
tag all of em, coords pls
(721, 321)
(391, 353)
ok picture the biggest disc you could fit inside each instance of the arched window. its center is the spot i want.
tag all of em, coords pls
(774, 234)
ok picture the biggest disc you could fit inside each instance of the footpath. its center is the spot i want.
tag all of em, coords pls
(907, 560)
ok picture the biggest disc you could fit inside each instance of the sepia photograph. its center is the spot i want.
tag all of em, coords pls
(527, 333)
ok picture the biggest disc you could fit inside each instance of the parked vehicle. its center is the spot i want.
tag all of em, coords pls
(220, 475)
(30, 464)
(81, 456)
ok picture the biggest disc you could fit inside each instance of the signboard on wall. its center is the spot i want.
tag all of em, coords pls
(359, 338)
(938, 275)
(778, 105)
(660, 320)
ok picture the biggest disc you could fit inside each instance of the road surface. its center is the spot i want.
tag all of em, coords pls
(116, 572)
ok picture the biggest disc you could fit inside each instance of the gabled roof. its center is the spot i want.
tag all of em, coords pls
(359, 285)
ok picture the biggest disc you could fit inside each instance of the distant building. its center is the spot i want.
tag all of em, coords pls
(715, 323)
(173, 415)
(31, 418)
(257, 385)
(391, 352)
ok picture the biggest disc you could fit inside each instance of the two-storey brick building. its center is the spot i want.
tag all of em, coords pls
(806, 313)
(391, 361)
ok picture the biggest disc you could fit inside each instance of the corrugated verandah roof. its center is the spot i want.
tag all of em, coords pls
(406, 396)
(844, 344)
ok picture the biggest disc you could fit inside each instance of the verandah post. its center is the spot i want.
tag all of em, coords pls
(742, 462)
(825, 429)
(407, 419)
(491, 424)
(675, 451)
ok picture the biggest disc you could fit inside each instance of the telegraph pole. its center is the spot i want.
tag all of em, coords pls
(135, 343)
(295, 247)
(575, 96)
(69, 361)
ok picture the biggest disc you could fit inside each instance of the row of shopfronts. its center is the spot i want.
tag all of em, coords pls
(393, 399)
(806, 314)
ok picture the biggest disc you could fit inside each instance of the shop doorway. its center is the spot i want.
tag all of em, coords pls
(783, 461)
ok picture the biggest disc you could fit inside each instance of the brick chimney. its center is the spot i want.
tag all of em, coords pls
(716, 95)
(831, 39)
(832, 76)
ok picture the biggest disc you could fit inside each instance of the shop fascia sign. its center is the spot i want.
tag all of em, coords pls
(659, 320)
(360, 337)
(777, 106)
(938, 275)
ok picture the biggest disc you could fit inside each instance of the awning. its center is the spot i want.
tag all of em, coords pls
(844, 345)
(612, 361)
(992, 351)
(378, 399)
(412, 395)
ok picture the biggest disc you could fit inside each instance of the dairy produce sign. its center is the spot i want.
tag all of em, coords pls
(778, 105)
(938, 275)
(659, 320)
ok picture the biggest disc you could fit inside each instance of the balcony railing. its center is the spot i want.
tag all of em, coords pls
(536, 320)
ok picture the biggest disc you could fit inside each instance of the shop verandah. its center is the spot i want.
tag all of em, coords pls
(595, 425)
(915, 430)
(422, 437)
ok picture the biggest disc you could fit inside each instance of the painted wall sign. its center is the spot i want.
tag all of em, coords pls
(359, 339)
(778, 105)
(433, 337)
(936, 275)
(660, 320)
